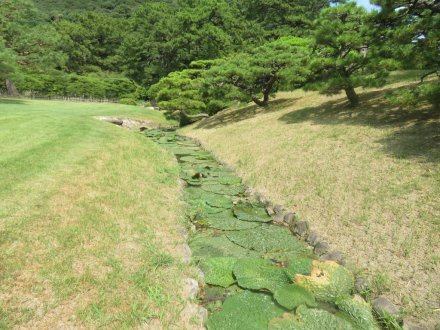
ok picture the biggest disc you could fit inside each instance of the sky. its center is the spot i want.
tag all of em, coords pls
(365, 3)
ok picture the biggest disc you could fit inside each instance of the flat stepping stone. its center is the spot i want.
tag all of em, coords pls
(226, 221)
(206, 246)
(221, 189)
(267, 238)
(249, 212)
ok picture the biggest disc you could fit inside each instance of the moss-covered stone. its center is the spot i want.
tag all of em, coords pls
(291, 296)
(225, 221)
(260, 274)
(218, 271)
(309, 319)
(245, 311)
(267, 238)
(359, 311)
(207, 246)
(327, 282)
(250, 212)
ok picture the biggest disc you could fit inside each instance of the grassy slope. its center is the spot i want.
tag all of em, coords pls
(368, 180)
(85, 239)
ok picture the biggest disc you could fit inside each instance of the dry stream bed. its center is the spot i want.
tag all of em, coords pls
(257, 274)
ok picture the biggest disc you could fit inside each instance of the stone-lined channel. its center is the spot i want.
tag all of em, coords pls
(257, 274)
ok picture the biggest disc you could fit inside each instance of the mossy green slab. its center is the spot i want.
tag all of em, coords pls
(167, 139)
(260, 274)
(250, 212)
(267, 238)
(154, 133)
(201, 154)
(183, 151)
(220, 172)
(309, 319)
(191, 174)
(298, 265)
(195, 195)
(218, 271)
(359, 311)
(194, 182)
(189, 144)
(245, 311)
(195, 159)
(216, 200)
(225, 221)
(229, 180)
(291, 296)
(214, 296)
(229, 190)
(327, 282)
(198, 212)
(206, 246)
(206, 209)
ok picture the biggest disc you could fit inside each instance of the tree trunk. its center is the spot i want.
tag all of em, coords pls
(266, 91)
(261, 103)
(352, 96)
(10, 87)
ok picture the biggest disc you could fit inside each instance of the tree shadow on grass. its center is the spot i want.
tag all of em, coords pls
(11, 101)
(420, 140)
(228, 117)
(417, 132)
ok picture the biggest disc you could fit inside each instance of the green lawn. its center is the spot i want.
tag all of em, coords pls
(88, 219)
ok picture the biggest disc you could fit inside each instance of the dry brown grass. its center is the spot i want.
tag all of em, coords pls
(367, 179)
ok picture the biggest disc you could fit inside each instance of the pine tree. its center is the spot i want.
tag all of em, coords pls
(345, 52)
(263, 71)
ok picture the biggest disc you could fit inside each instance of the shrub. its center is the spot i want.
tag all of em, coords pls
(128, 101)
(408, 98)
(73, 85)
(431, 92)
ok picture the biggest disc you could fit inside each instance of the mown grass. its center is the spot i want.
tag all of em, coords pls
(367, 179)
(88, 220)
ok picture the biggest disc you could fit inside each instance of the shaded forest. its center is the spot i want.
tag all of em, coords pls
(121, 8)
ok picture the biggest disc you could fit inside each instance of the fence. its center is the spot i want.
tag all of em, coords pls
(36, 96)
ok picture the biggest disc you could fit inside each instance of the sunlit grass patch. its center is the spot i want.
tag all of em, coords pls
(85, 237)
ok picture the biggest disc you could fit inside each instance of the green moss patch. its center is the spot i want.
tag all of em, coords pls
(291, 296)
(206, 246)
(226, 221)
(310, 319)
(267, 238)
(258, 274)
(218, 271)
(359, 311)
(245, 311)
(250, 212)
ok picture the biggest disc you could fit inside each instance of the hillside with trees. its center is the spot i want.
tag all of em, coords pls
(121, 51)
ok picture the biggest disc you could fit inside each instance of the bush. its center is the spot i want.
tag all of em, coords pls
(431, 92)
(409, 98)
(128, 101)
(73, 85)
(403, 98)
